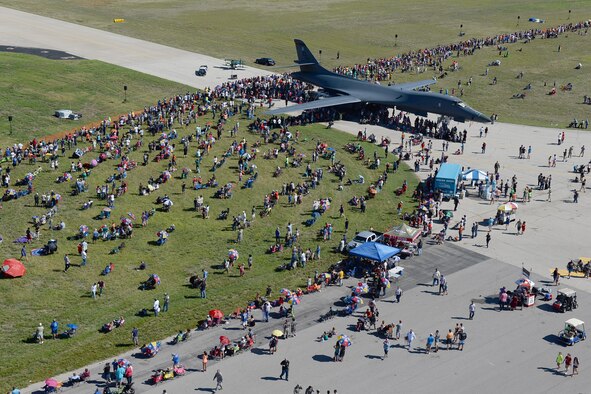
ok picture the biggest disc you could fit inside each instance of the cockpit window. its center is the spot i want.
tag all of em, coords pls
(461, 104)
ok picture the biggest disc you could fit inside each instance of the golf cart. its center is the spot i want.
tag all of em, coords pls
(574, 331)
(566, 300)
(202, 71)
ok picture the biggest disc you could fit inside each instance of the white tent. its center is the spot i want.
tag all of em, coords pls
(474, 175)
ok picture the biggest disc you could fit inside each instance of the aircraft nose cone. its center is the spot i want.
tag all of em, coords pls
(481, 118)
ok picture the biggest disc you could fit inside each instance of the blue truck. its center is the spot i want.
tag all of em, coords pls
(447, 179)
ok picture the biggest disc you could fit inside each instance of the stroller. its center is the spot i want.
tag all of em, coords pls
(151, 349)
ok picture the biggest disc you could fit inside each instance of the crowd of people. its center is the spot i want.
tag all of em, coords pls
(382, 69)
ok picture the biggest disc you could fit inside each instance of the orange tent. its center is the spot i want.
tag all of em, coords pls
(12, 268)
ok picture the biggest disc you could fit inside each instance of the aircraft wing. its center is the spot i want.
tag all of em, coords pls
(321, 103)
(414, 85)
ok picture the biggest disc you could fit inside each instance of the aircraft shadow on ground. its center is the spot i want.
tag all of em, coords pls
(373, 357)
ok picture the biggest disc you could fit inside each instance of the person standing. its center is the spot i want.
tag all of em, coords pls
(430, 342)
(549, 199)
(462, 339)
(449, 338)
(166, 302)
(129, 373)
(488, 238)
(54, 326)
(398, 294)
(556, 276)
(67, 263)
(249, 262)
(575, 366)
(436, 277)
(219, 380)
(567, 363)
(386, 345)
(84, 256)
(523, 228)
(107, 373)
(135, 336)
(204, 360)
(471, 309)
(436, 338)
(410, 336)
(442, 282)
(286, 326)
(284, 369)
(398, 329)
(101, 287)
(559, 361)
(93, 290)
(518, 227)
(156, 307)
(24, 253)
(203, 287)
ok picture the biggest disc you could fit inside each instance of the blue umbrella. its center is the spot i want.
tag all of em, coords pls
(72, 326)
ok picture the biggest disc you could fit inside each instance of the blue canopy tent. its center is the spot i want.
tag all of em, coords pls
(374, 251)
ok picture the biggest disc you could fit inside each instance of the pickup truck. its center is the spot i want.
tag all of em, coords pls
(363, 237)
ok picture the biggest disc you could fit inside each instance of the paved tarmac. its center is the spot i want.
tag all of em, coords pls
(163, 61)
(505, 352)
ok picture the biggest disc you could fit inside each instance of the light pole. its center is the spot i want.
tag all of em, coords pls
(320, 55)
(568, 14)
(124, 93)
(10, 123)
(395, 39)
(518, 17)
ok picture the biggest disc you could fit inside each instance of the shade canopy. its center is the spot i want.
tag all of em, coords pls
(474, 175)
(403, 232)
(12, 268)
(374, 251)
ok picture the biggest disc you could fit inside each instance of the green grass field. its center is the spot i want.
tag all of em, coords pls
(367, 30)
(32, 88)
(196, 244)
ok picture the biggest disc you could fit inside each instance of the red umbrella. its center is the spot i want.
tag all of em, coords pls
(216, 314)
(12, 268)
(224, 340)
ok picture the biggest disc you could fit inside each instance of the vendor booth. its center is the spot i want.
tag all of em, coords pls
(402, 234)
(524, 292)
(374, 251)
(506, 210)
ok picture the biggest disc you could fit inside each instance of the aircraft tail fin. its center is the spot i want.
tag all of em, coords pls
(306, 60)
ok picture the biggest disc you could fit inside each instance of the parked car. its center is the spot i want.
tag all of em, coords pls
(201, 71)
(265, 61)
(363, 237)
(67, 114)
